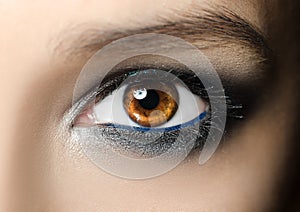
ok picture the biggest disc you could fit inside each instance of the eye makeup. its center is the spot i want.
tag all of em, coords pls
(114, 142)
(115, 78)
(130, 67)
(134, 138)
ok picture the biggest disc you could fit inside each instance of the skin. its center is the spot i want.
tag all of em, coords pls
(40, 171)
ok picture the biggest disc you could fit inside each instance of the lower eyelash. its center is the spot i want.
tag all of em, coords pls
(168, 129)
(140, 144)
(137, 150)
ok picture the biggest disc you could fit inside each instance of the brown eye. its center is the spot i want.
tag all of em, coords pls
(151, 99)
(151, 104)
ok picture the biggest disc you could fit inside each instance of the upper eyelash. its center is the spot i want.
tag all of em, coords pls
(195, 87)
(109, 84)
(232, 109)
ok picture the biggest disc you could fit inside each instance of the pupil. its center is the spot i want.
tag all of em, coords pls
(150, 101)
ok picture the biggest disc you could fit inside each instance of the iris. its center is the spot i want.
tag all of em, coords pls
(151, 107)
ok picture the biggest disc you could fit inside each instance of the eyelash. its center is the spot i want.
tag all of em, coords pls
(115, 132)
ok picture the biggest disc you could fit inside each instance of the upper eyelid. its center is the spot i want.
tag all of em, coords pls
(84, 100)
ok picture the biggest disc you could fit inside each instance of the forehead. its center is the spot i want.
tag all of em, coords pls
(31, 25)
(47, 17)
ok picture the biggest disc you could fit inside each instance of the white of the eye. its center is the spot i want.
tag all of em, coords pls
(111, 110)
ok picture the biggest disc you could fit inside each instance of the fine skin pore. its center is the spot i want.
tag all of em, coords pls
(39, 168)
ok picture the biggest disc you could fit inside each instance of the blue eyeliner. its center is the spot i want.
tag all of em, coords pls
(167, 129)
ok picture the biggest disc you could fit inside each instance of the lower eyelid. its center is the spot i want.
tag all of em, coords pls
(194, 121)
(140, 144)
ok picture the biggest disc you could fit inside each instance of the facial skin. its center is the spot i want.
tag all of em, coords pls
(42, 171)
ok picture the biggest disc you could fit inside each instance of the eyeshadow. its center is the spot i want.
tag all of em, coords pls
(140, 144)
(131, 139)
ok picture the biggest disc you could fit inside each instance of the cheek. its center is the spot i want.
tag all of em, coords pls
(241, 175)
(34, 112)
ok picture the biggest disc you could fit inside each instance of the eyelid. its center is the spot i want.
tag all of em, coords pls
(112, 82)
(138, 148)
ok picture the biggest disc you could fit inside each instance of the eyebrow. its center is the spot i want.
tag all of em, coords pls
(211, 28)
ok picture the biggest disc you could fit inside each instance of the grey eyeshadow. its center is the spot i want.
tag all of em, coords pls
(143, 144)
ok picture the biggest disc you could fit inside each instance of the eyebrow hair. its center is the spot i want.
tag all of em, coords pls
(213, 27)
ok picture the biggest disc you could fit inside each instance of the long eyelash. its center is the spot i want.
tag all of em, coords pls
(109, 85)
(150, 150)
(123, 142)
(233, 110)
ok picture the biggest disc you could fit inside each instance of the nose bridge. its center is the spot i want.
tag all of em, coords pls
(8, 145)
(17, 138)
(14, 83)
(9, 106)
(5, 167)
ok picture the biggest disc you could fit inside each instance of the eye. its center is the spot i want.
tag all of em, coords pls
(151, 99)
(146, 100)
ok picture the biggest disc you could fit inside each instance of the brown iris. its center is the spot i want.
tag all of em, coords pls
(151, 106)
